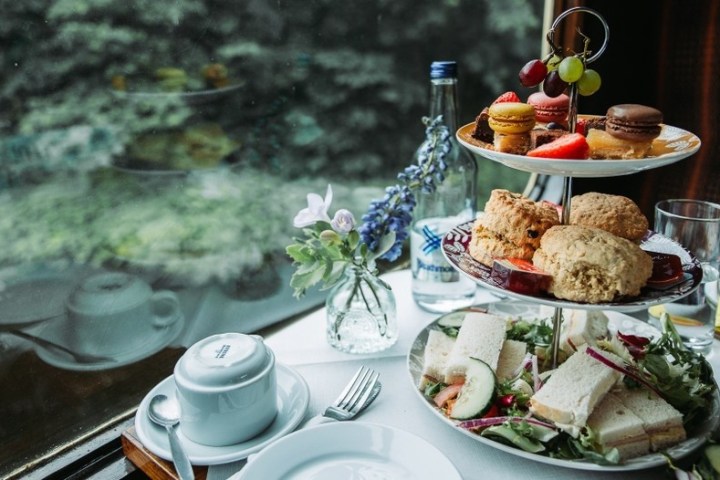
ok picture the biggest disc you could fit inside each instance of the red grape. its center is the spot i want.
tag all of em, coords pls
(532, 73)
(553, 84)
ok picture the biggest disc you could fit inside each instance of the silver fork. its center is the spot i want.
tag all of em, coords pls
(357, 395)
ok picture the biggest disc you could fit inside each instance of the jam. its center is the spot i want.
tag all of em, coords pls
(667, 270)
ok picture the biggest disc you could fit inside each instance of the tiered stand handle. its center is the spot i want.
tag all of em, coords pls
(572, 122)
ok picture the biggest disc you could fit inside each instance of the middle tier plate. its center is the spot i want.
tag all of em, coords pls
(455, 247)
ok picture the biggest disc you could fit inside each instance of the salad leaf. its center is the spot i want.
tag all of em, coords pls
(683, 377)
(535, 333)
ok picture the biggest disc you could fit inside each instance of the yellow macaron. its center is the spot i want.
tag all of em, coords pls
(511, 118)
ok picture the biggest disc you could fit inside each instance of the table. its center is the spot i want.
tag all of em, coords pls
(302, 345)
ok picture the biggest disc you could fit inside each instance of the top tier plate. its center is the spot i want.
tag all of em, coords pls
(671, 146)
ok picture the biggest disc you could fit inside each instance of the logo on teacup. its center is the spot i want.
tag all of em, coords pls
(222, 351)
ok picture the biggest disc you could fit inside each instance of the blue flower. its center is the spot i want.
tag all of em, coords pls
(325, 254)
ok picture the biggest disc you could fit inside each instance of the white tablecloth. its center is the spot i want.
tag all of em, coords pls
(302, 345)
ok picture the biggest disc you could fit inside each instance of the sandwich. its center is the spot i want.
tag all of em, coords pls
(481, 336)
(437, 349)
(616, 426)
(574, 389)
(661, 421)
(511, 358)
(582, 327)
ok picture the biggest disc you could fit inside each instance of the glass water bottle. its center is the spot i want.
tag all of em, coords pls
(436, 285)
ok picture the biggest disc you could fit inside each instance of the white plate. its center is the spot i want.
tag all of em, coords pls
(455, 247)
(673, 145)
(51, 331)
(293, 399)
(349, 450)
(618, 321)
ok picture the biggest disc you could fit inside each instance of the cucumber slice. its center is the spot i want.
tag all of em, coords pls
(520, 441)
(454, 319)
(478, 392)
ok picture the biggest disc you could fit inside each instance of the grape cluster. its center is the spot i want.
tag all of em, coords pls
(557, 73)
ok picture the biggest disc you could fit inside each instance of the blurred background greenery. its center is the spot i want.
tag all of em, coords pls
(282, 97)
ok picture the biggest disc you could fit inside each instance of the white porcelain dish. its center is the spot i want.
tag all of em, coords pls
(293, 397)
(618, 321)
(673, 145)
(455, 247)
(349, 450)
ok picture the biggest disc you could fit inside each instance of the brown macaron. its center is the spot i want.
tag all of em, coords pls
(633, 122)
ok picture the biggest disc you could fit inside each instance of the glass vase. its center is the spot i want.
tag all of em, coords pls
(361, 313)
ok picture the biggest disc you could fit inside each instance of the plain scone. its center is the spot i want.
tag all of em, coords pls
(591, 265)
(617, 214)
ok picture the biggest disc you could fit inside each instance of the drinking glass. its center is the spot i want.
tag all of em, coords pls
(695, 224)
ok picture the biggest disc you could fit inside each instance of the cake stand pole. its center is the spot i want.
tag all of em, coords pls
(564, 220)
(572, 123)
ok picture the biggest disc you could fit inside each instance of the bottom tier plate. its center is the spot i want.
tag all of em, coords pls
(617, 321)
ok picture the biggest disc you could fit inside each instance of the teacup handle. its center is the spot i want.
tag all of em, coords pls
(169, 313)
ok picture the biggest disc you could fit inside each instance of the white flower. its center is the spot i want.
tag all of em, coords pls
(317, 210)
(343, 221)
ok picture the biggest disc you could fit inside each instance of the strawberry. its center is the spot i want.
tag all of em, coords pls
(567, 147)
(580, 126)
(507, 97)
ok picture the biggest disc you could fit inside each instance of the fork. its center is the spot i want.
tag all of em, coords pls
(355, 397)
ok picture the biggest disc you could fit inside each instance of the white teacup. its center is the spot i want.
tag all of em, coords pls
(227, 389)
(114, 313)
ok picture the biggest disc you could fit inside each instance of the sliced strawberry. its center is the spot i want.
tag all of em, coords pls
(507, 97)
(580, 126)
(570, 146)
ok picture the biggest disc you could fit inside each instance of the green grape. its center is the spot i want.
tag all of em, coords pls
(570, 69)
(589, 82)
(553, 63)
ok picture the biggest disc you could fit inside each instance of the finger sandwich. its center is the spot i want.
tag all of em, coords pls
(481, 336)
(437, 349)
(616, 426)
(574, 389)
(661, 421)
(511, 358)
(582, 327)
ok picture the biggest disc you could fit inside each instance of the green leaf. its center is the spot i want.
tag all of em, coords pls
(386, 243)
(353, 239)
(299, 253)
(305, 277)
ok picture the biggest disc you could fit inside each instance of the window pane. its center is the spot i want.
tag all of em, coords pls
(165, 146)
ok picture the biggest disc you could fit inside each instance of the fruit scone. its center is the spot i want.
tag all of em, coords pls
(511, 226)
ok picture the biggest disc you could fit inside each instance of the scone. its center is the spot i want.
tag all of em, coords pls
(614, 213)
(591, 265)
(517, 219)
(486, 245)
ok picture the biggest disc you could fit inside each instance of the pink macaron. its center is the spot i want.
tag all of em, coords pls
(550, 109)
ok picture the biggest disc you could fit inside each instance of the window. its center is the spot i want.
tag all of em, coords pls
(172, 143)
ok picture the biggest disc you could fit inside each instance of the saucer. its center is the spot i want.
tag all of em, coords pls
(35, 299)
(293, 399)
(366, 451)
(60, 359)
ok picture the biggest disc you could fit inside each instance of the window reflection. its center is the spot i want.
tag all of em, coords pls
(165, 147)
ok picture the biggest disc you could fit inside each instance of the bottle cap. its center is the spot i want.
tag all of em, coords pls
(445, 69)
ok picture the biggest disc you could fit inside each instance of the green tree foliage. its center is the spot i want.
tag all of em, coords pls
(322, 86)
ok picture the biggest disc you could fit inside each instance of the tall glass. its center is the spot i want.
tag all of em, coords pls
(695, 224)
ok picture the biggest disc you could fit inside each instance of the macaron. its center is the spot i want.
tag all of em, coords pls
(511, 118)
(550, 109)
(633, 122)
